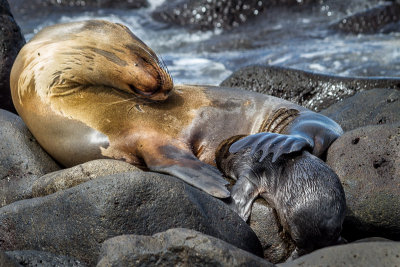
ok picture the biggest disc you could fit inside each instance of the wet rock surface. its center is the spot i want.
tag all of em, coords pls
(357, 254)
(372, 107)
(82, 217)
(11, 41)
(31, 258)
(368, 164)
(175, 247)
(22, 160)
(213, 14)
(24, 7)
(311, 90)
(381, 18)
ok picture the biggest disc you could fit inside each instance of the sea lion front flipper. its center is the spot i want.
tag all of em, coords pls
(319, 130)
(277, 144)
(183, 164)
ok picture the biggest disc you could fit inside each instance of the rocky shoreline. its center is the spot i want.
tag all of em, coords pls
(109, 213)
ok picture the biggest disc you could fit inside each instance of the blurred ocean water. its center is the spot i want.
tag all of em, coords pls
(299, 39)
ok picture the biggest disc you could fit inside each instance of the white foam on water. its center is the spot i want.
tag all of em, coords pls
(190, 70)
(318, 67)
(155, 3)
(280, 60)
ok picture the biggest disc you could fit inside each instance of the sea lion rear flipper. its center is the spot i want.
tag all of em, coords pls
(184, 165)
(277, 144)
(243, 195)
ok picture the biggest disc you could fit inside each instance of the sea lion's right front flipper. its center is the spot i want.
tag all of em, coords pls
(277, 144)
(183, 164)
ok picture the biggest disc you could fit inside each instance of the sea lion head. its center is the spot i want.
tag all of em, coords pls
(97, 52)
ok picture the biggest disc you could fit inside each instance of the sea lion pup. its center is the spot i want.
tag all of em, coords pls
(306, 194)
(86, 89)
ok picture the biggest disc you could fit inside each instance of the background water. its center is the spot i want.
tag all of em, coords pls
(298, 38)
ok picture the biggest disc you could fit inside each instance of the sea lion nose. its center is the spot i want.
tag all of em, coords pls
(152, 83)
(149, 81)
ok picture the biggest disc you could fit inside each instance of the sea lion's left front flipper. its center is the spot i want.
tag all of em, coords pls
(271, 143)
(181, 163)
(309, 130)
(319, 130)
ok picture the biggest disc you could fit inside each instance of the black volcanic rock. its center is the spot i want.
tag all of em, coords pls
(371, 107)
(22, 159)
(31, 258)
(214, 14)
(381, 18)
(11, 41)
(311, 90)
(367, 162)
(355, 254)
(76, 221)
(175, 247)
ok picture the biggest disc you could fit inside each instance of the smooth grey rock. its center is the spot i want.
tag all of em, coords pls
(76, 221)
(372, 239)
(11, 41)
(67, 178)
(367, 161)
(175, 247)
(376, 106)
(22, 160)
(313, 91)
(382, 254)
(277, 245)
(373, 20)
(31, 258)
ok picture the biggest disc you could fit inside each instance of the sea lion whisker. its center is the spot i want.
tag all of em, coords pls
(165, 67)
(120, 101)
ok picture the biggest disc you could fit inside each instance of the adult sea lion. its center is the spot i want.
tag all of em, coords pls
(306, 194)
(86, 91)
